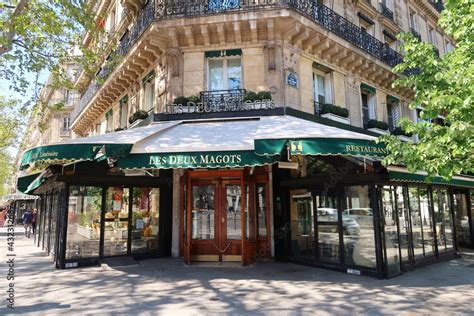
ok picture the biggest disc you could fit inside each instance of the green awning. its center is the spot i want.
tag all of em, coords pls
(36, 183)
(23, 182)
(223, 53)
(406, 176)
(220, 159)
(320, 146)
(393, 99)
(368, 88)
(112, 145)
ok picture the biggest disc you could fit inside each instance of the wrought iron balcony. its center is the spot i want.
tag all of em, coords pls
(157, 10)
(386, 11)
(84, 100)
(222, 100)
(437, 4)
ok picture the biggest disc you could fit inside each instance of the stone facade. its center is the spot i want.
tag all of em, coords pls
(276, 39)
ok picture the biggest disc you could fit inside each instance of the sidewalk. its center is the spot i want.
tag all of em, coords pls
(167, 286)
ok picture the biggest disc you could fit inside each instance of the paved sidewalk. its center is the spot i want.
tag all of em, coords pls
(167, 286)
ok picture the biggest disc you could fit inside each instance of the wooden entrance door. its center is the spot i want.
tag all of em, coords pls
(215, 223)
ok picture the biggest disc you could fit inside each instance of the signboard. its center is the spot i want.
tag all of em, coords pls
(292, 80)
(226, 105)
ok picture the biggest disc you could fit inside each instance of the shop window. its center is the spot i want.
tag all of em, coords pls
(83, 228)
(359, 245)
(368, 105)
(234, 212)
(443, 220)
(461, 220)
(404, 222)
(224, 73)
(54, 222)
(392, 256)
(422, 232)
(322, 86)
(145, 220)
(116, 221)
(327, 226)
(261, 209)
(302, 228)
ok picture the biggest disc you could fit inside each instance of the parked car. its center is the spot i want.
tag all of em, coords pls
(363, 216)
(350, 226)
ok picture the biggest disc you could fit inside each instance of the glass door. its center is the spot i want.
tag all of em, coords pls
(116, 219)
(230, 243)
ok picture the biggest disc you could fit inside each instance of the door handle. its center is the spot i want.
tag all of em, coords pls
(223, 220)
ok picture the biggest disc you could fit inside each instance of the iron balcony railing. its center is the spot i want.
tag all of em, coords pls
(222, 100)
(156, 10)
(437, 4)
(386, 11)
(85, 98)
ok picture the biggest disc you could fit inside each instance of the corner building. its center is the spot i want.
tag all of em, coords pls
(244, 131)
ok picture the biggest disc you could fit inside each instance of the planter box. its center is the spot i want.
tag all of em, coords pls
(135, 123)
(378, 130)
(336, 118)
(85, 231)
(405, 138)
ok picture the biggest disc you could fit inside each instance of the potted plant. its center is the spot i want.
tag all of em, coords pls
(335, 113)
(402, 134)
(378, 127)
(138, 116)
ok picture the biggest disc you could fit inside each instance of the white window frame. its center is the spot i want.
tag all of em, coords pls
(123, 116)
(432, 35)
(413, 19)
(148, 85)
(328, 86)
(224, 70)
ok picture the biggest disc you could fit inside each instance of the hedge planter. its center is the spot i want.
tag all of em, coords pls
(336, 118)
(405, 138)
(378, 130)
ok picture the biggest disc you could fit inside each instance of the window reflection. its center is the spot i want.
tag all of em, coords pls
(145, 220)
(83, 230)
(328, 228)
(234, 212)
(461, 220)
(203, 212)
(302, 228)
(417, 229)
(390, 231)
(261, 209)
(116, 221)
(359, 247)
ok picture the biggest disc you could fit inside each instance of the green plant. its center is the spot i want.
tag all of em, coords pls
(181, 100)
(251, 96)
(334, 109)
(194, 99)
(377, 124)
(264, 95)
(399, 132)
(138, 115)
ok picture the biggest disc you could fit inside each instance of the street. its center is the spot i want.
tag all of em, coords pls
(168, 286)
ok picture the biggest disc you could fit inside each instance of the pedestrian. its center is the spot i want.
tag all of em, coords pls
(27, 222)
(33, 220)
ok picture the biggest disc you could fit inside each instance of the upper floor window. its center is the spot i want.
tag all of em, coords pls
(368, 103)
(413, 21)
(224, 73)
(66, 122)
(123, 112)
(393, 112)
(432, 36)
(366, 24)
(448, 46)
(149, 91)
(109, 119)
(322, 84)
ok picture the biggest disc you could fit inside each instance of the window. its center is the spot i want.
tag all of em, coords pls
(145, 220)
(448, 47)
(432, 35)
(149, 95)
(359, 244)
(83, 228)
(393, 114)
(322, 88)
(123, 112)
(368, 104)
(109, 119)
(261, 209)
(413, 21)
(224, 74)
(66, 121)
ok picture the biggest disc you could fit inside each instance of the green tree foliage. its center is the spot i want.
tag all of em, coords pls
(444, 87)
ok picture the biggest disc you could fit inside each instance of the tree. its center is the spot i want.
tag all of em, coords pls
(443, 88)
